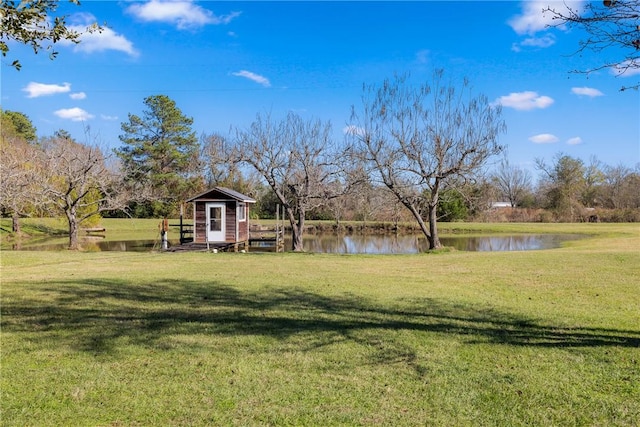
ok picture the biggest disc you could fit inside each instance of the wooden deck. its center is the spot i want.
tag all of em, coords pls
(188, 247)
(211, 247)
(263, 239)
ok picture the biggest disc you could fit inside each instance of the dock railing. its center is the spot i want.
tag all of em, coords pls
(269, 236)
(266, 237)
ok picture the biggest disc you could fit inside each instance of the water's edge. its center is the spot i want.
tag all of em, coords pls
(343, 244)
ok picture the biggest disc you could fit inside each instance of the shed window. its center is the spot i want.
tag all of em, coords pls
(242, 212)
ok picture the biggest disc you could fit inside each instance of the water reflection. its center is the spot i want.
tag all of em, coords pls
(409, 244)
(92, 245)
(363, 244)
(349, 244)
(506, 243)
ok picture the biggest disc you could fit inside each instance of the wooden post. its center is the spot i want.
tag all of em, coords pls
(181, 229)
(163, 233)
(277, 225)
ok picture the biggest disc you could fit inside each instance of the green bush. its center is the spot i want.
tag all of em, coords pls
(452, 207)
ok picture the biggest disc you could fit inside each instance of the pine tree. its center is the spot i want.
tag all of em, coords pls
(160, 153)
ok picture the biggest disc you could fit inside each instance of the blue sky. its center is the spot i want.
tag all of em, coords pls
(224, 62)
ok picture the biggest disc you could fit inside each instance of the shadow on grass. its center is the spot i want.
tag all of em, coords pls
(92, 315)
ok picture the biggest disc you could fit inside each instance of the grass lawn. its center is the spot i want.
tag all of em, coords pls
(536, 338)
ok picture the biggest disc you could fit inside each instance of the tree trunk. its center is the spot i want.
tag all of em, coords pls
(297, 228)
(434, 240)
(418, 217)
(296, 239)
(296, 236)
(15, 223)
(73, 229)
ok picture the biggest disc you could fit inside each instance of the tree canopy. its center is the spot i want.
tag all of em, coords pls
(16, 124)
(20, 168)
(512, 182)
(32, 23)
(418, 139)
(161, 152)
(297, 159)
(78, 182)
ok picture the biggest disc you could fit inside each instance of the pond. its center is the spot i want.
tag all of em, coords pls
(351, 244)
(409, 244)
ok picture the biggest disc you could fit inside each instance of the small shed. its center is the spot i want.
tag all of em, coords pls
(221, 217)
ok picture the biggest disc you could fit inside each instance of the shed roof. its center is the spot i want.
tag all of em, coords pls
(225, 192)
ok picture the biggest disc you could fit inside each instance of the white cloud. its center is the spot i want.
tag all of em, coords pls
(225, 19)
(92, 40)
(574, 141)
(183, 14)
(34, 89)
(253, 77)
(527, 100)
(107, 39)
(628, 68)
(544, 138)
(532, 19)
(535, 42)
(586, 91)
(74, 114)
(77, 96)
(108, 118)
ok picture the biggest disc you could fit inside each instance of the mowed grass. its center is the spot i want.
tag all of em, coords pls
(507, 338)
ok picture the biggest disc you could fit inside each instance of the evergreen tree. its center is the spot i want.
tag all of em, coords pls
(16, 124)
(160, 153)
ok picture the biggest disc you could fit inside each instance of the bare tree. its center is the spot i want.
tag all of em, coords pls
(416, 139)
(366, 199)
(79, 182)
(593, 183)
(20, 178)
(354, 190)
(216, 155)
(621, 187)
(337, 206)
(297, 160)
(564, 183)
(222, 166)
(387, 207)
(512, 181)
(611, 26)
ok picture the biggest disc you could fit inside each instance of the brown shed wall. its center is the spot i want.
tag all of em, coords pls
(243, 226)
(230, 222)
(200, 223)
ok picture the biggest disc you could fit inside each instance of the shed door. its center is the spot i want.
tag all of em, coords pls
(215, 222)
